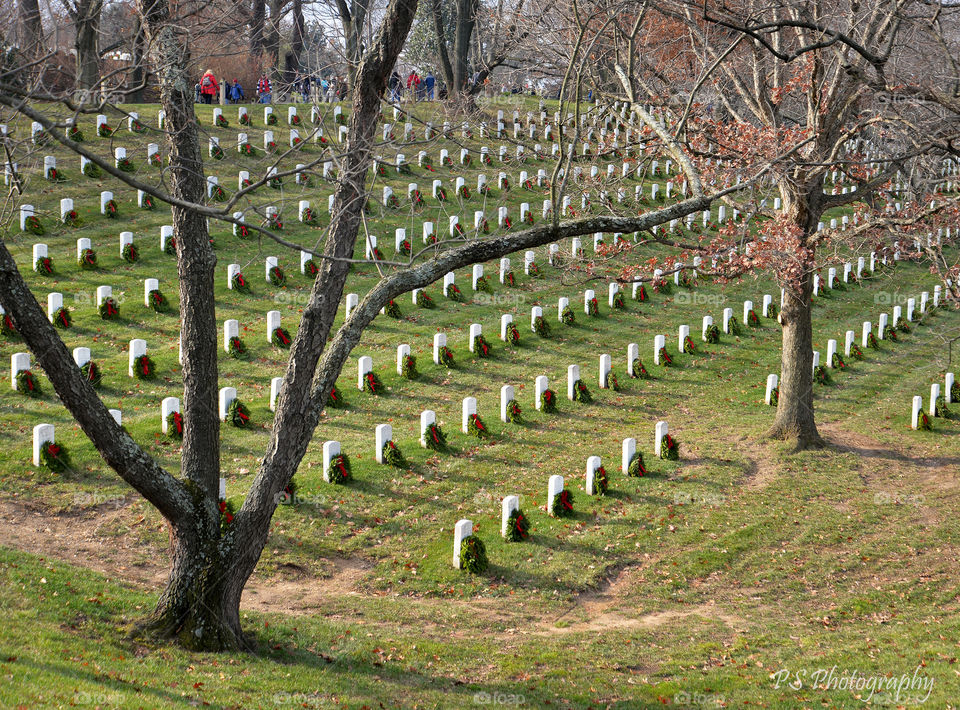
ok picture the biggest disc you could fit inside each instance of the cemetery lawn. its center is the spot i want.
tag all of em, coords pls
(704, 578)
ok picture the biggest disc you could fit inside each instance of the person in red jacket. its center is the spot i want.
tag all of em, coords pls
(208, 87)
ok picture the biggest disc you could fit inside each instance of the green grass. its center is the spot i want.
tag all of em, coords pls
(762, 559)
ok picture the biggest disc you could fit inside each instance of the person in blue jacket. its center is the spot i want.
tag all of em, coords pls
(235, 92)
(428, 84)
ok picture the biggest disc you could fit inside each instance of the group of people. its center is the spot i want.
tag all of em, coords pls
(421, 88)
(207, 90)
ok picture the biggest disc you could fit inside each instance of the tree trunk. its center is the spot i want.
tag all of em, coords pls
(271, 47)
(194, 605)
(466, 21)
(795, 415)
(31, 28)
(258, 16)
(138, 76)
(87, 23)
(297, 413)
(296, 34)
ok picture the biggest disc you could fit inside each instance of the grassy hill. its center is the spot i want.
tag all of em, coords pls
(705, 577)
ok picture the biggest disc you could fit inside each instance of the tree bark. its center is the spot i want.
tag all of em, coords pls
(258, 17)
(297, 412)
(795, 414)
(87, 26)
(138, 76)
(31, 28)
(353, 15)
(193, 606)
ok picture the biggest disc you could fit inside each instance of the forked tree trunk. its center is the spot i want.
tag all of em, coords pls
(200, 605)
(192, 606)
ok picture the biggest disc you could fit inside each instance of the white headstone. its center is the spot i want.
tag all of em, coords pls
(934, 396)
(148, 286)
(231, 329)
(227, 395)
(475, 330)
(659, 341)
(439, 341)
(772, 381)
(273, 322)
(364, 365)
(510, 504)
(541, 385)
(138, 347)
(331, 449)
(275, 384)
(915, 414)
(554, 488)
(593, 463)
(427, 418)
(402, 351)
(42, 434)
(469, 408)
(573, 374)
(506, 396)
(384, 433)
(660, 431)
(462, 530)
(707, 324)
(18, 363)
(605, 367)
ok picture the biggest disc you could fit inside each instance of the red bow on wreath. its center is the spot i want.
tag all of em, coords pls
(343, 469)
(371, 382)
(178, 422)
(669, 442)
(226, 513)
(283, 338)
(53, 450)
(565, 500)
(110, 309)
(433, 433)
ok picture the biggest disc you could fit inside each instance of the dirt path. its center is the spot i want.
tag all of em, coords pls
(89, 539)
(609, 607)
